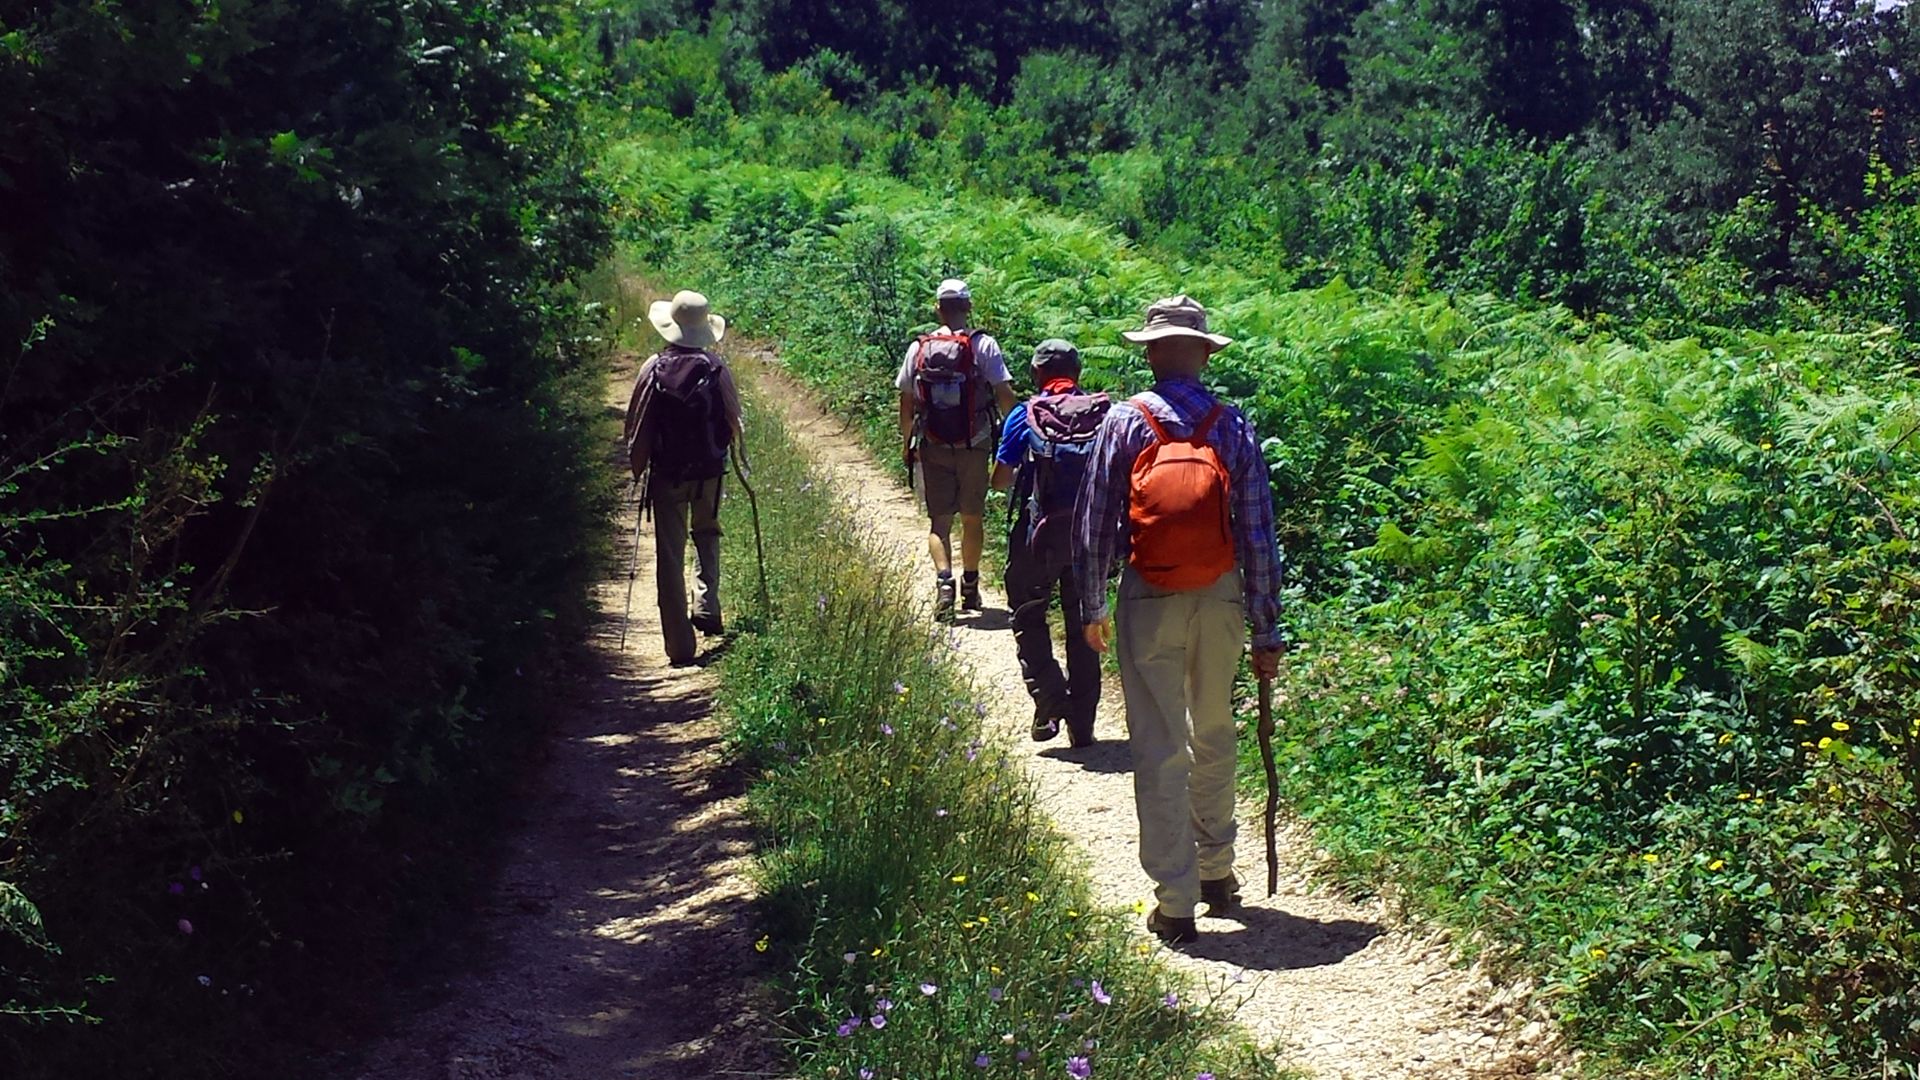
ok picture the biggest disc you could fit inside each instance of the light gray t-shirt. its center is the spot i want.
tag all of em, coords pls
(989, 365)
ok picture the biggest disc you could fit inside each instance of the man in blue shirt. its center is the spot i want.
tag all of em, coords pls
(1044, 446)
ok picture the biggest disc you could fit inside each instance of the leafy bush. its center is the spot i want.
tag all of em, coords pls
(290, 359)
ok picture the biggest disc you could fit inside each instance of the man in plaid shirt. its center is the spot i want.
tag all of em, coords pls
(1179, 649)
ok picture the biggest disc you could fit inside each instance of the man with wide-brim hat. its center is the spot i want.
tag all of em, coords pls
(1178, 489)
(682, 418)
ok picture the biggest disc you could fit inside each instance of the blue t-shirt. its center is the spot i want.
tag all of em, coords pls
(1013, 437)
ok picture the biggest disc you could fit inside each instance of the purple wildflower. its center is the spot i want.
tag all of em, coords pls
(1171, 1001)
(996, 993)
(1100, 995)
(1089, 1044)
(185, 926)
(929, 989)
(193, 872)
(1022, 1054)
(884, 1004)
(846, 1027)
(947, 722)
(983, 1060)
(886, 729)
(879, 1020)
(849, 957)
(203, 980)
(942, 812)
(1204, 1076)
(980, 709)
(899, 687)
(866, 1074)
(1079, 1068)
(176, 888)
(820, 603)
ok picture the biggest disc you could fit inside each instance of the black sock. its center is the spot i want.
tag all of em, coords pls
(971, 576)
(944, 575)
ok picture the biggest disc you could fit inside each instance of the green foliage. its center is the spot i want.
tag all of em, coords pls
(1563, 597)
(849, 707)
(290, 358)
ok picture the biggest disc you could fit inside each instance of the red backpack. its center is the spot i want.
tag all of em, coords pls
(1179, 507)
(943, 379)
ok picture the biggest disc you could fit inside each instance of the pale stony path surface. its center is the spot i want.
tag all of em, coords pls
(1340, 988)
(616, 942)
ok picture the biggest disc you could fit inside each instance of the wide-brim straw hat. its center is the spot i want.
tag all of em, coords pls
(688, 320)
(1177, 316)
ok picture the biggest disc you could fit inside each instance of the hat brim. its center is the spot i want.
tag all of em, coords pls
(1216, 342)
(660, 314)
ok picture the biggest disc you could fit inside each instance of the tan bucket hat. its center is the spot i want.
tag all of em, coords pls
(1177, 316)
(688, 320)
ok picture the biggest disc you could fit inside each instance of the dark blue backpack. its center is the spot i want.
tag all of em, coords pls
(1060, 434)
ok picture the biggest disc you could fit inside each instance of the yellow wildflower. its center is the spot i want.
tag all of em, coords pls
(1597, 953)
(1842, 725)
(1800, 721)
(958, 879)
(1650, 858)
(1033, 897)
(1717, 864)
(1825, 742)
(761, 945)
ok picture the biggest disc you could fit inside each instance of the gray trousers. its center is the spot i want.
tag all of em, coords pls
(1074, 694)
(1178, 654)
(675, 507)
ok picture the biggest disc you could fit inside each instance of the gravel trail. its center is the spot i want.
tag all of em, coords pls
(616, 941)
(1342, 989)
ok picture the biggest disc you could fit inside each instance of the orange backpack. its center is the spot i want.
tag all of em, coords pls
(1178, 506)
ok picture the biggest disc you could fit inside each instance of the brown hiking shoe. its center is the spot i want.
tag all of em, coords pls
(1171, 930)
(970, 594)
(943, 599)
(1220, 894)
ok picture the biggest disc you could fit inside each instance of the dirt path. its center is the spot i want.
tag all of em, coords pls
(617, 939)
(1338, 986)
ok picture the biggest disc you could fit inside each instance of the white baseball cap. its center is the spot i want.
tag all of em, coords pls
(953, 289)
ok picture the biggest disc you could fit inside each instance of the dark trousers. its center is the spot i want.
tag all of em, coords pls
(1074, 695)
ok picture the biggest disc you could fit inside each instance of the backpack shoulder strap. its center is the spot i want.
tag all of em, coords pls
(1140, 402)
(1206, 423)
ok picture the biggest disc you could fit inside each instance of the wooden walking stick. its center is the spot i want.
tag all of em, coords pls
(633, 568)
(759, 545)
(1273, 780)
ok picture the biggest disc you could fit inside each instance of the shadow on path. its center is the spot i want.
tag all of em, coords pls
(615, 940)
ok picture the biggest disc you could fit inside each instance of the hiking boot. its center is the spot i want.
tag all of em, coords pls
(1220, 894)
(970, 593)
(1045, 724)
(1080, 738)
(1171, 930)
(943, 600)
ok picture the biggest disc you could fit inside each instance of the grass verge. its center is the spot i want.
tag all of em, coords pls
(927, 920)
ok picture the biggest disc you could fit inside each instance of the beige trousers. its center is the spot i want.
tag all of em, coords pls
(675, 508)
(1178, 654)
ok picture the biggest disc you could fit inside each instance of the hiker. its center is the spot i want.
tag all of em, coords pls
(1044, 448)
(682, 418)
(951, 384)
(1177, 485)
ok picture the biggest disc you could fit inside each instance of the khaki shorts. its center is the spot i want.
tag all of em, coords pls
(953, 480)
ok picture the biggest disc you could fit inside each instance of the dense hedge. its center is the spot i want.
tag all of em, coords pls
(293, 504)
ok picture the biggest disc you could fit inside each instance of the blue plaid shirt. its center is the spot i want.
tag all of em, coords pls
(1100, 516)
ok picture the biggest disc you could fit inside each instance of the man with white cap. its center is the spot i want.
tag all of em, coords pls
(1178, 486)
(681, 419)
(950, 383)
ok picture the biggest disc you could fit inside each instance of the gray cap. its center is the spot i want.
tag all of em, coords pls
(1055, 350)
